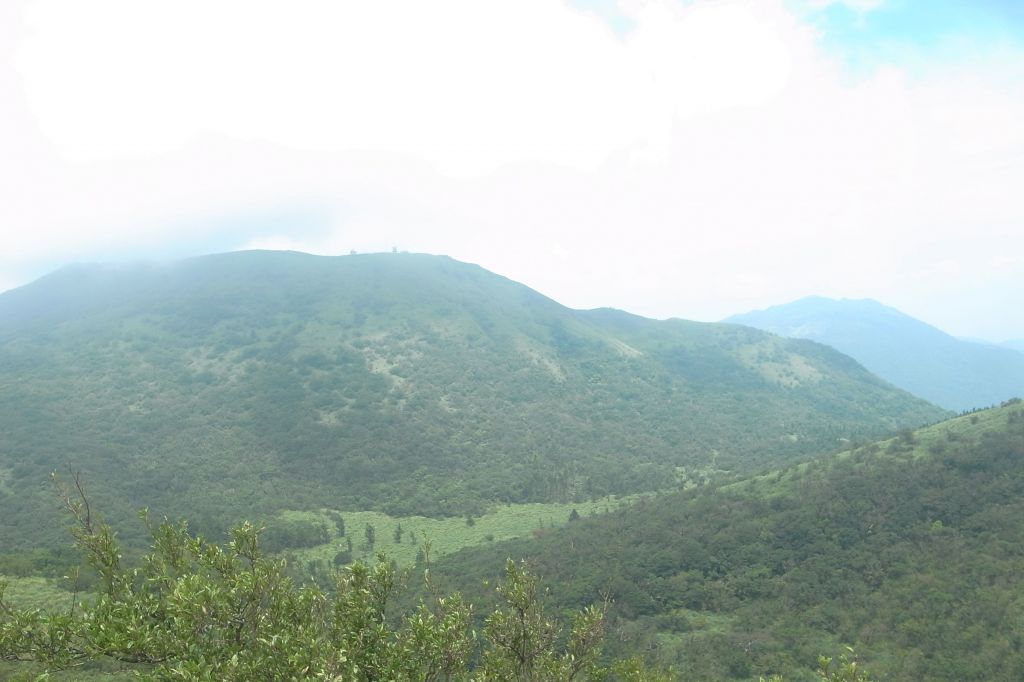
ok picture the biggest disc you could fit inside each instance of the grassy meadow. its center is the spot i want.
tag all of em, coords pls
(445, 535)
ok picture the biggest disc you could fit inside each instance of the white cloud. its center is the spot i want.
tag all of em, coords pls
(712, 159)
(857, 5)
(465, 84)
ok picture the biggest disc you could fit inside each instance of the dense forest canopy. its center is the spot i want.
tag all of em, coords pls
(911, 549)
(233, 386)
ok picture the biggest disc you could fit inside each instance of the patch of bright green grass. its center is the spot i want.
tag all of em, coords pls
(445, 535)
(36, 593)
(100, 671)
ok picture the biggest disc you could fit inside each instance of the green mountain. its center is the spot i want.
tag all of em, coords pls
(958, 375)
(236, 385)
(909, 549)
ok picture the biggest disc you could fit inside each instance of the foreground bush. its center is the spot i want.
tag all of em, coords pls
(195, 610)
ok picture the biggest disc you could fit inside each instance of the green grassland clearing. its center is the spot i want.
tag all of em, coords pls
(36, 593)
(445, 535)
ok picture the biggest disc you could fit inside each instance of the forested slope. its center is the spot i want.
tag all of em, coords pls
(234, 385)
(910, 549)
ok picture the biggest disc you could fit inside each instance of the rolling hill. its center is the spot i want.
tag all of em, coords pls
(958, 375)
(910, 549)
(239, 384)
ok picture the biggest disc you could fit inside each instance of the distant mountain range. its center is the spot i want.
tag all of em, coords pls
(950, 372)
(1016, 344)
(236, 385)
(1013, 344)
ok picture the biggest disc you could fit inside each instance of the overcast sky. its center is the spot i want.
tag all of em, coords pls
(674, 159)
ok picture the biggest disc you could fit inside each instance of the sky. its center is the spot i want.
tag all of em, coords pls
(671, 158)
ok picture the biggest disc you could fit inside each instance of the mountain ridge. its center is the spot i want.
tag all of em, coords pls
(956, 374)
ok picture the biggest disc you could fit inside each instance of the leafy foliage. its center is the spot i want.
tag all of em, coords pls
(198, 611)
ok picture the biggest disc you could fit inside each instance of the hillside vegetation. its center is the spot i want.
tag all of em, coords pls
(195, 610)
(910, 549)
(956, 374)
(237, 385)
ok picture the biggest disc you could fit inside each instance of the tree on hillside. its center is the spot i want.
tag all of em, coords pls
(339, 522)
(371, 536)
